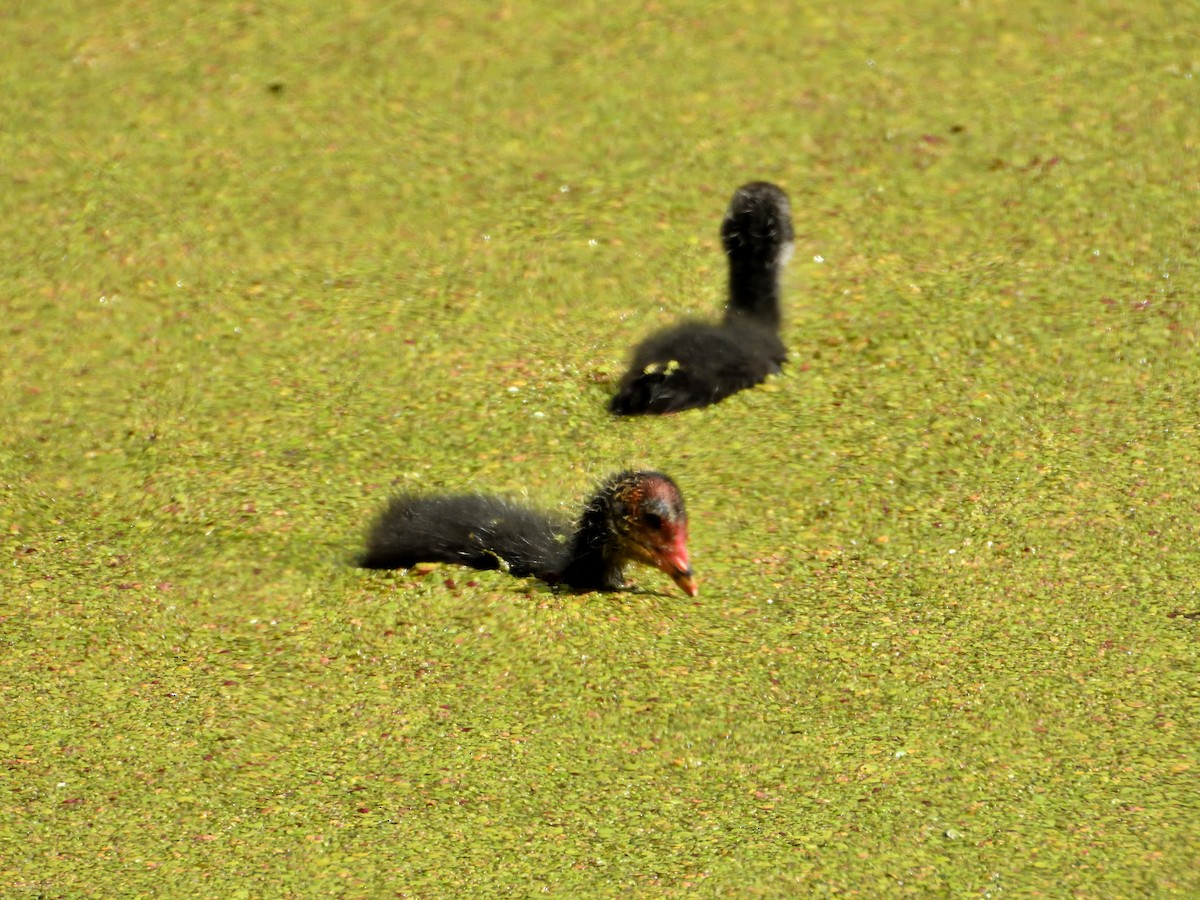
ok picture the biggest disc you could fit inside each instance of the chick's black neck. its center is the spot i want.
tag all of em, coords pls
(757, 234)
(754, 289)
(593, 556)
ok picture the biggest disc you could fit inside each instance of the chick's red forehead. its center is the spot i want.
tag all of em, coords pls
(658, 491)
(675, 532)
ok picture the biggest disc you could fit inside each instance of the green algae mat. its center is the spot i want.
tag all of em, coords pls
(265, 264)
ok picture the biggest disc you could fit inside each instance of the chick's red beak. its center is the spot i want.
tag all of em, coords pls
(674, 561)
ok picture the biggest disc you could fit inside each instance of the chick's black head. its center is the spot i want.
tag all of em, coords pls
(758, 224)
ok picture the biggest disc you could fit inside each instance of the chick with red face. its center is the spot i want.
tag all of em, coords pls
(635, 516)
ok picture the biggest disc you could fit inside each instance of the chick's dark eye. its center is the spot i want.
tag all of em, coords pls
(652, 521)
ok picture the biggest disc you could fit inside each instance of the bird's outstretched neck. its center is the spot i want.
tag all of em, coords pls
(758, 238)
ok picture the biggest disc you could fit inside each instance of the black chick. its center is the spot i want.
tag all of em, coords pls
(632, 517)
(697, 364)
